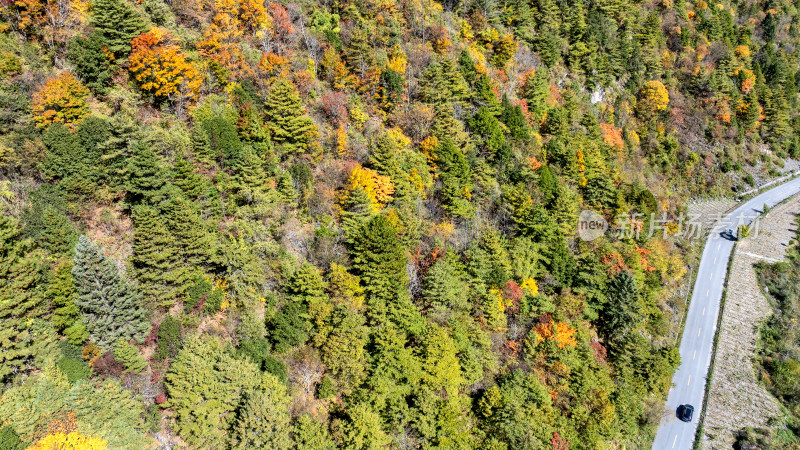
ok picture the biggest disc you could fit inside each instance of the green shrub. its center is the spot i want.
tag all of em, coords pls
(275, 367)
(9, 439)
(325, 388)
(74, 369)
(128, 355)
(169, 338)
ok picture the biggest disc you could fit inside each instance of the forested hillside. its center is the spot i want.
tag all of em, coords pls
(352, 224)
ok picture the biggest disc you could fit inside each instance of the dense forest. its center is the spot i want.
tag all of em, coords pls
(352, 224)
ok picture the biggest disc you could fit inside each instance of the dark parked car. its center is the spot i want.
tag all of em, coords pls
(685, 412)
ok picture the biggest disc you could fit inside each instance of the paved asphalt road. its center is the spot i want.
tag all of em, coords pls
(689, 381)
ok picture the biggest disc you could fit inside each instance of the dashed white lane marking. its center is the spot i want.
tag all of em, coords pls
(674, 441)
(707, 290)
(711, 275)
(719, 245)
(704, 312)
(689, 380)
(698, 331)
(715, 260)
(694, 354)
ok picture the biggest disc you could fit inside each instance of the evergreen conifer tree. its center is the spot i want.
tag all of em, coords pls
(146, 177)
(205, 410)
(91, 64)
(309, 434)
(380, 260)
(622, 312)
(456, 178)
(263, 420)
(184, 176)
(117, 23)
(290, 128)
(154, 262)
(66, 317)
(110, 306)
(21, 294)
(58, 235)
(128, 355)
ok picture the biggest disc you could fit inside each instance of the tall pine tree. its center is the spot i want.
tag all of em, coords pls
(117, 23)
(380, 260)
(21, 280)
(290, 128)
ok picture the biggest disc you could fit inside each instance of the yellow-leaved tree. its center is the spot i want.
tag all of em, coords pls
(159, 66)
(61, 99)
(653, 98)
(379, 188)
(221, 43)
(71, 441)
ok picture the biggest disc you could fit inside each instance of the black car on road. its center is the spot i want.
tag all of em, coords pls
(685, 412)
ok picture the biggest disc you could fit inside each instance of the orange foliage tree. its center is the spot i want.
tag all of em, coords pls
(61, 99)
(221, 43)
(158, 65)
(52, 21)
(612, 136)
(252, 14)
(559, 333)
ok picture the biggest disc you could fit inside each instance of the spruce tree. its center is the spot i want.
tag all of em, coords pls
(184, 176)
(146, 177)
(263, 420)
(110, 306)
(456, 178)
(21, 294)
(622, 314)
(117, 23)
(91, 64)
(154, 262)
(380, 260)
(290, 128)
(66, 317)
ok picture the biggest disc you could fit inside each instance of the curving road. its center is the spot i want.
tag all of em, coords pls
(689, 381)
